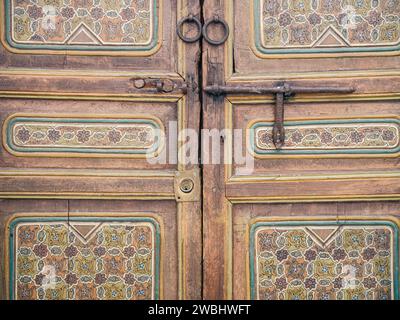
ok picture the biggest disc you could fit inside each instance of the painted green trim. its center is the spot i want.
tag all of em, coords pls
(321, 122)
(262, 49)
(94, 48)
(89, 150)
(14, 223)
(393, 226)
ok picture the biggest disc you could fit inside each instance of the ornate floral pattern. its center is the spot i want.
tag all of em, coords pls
(82, 135)
(329, 261)
(336, 137)
(62, 24)
(85, 260)
(308, 24)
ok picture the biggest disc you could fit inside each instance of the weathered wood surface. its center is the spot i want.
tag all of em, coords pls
(119, 86)
(315, 184)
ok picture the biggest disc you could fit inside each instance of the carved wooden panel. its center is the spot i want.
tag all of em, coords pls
(94, 25)
(100, 37)
(317, 26)
(324, 260)
(357, 136)
(84, 258)
(286, 38)
(340, 152)
(325, 136)
(321, 250)
(68, 135)
(43, 133)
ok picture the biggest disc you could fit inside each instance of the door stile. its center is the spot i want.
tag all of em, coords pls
(189, 213)
(217, 230)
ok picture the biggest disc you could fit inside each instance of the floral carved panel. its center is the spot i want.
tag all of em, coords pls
(324, 260)
(317, 26)
(30, 134)
(93, 25)
(85, 258)
(357, 136)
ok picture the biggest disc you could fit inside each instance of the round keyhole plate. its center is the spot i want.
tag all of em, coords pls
(187, 185)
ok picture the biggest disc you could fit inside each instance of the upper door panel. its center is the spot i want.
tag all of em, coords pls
(100, 35)
(283, 35)
(93, 26)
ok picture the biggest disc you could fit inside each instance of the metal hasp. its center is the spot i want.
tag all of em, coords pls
(282, 91)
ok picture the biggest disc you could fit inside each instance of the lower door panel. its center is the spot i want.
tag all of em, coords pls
(89, 249)
(319, 251)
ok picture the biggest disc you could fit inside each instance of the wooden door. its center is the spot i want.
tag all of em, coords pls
(93, 93)
(318, 218)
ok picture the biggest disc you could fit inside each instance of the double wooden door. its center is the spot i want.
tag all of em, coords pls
(105, 195)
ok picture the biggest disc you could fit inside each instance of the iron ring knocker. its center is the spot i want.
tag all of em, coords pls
(216, 20)
(189, 19)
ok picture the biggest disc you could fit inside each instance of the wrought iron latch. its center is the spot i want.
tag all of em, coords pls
(282, 91)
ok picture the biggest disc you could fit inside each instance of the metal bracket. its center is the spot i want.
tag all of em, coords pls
(153, 85)
(187, 186)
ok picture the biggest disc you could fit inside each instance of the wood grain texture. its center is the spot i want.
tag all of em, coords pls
(215, 236)
(110, 84)
(190, 213)
(284, 179)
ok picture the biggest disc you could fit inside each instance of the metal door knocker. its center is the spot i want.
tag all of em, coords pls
(202, 30)
(189, 19)
(216, 20)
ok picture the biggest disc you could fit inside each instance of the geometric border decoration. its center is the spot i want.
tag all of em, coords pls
(316, 223)
(21, 219)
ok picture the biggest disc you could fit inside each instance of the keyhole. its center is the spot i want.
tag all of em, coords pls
(187, 186)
